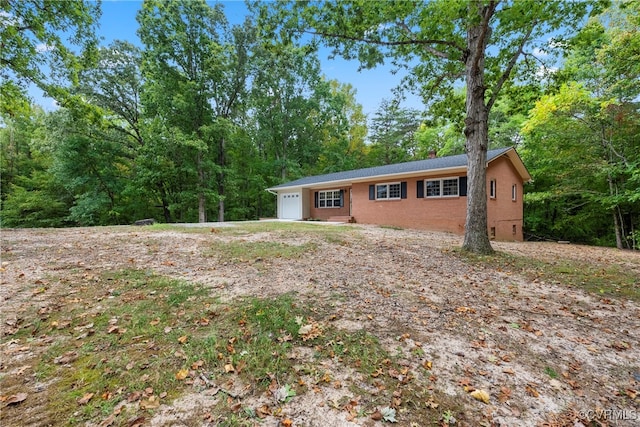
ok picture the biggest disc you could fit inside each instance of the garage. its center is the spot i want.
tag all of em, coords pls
(290, 206)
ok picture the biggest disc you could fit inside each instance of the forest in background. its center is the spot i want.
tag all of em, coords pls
(194, 124)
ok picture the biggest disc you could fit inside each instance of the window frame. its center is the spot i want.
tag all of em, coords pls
(493, 188)
(388, 191)
(333, 199)
(514, 192)
(441, 187)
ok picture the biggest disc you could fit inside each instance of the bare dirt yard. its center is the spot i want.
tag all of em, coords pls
(303, 324)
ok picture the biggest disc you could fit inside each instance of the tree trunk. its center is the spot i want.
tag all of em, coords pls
(618, 229)
(202, 202)
(476, 237)
(222, 161)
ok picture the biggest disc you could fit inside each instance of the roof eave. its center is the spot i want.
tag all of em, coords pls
(517, 163)
(385, 177)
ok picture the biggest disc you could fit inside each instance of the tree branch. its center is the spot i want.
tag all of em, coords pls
(424, 43)
(507, 71)
(487, 13)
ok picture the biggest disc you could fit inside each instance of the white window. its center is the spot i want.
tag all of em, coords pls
(388, 191)
(492, 189)
(514, 192)
(444, 187)
(329, 199)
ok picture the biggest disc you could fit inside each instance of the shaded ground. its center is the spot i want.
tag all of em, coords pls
(545, 352)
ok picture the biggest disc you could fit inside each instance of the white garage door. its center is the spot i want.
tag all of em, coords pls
(290, 206)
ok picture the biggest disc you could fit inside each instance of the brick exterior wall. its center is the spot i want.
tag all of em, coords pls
(503, 213)
(326, 213)
(505, 216)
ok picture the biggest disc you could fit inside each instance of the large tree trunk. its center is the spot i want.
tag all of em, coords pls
(476, 236)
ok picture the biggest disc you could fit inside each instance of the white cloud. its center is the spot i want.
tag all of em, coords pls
(543, 72)
(43, 47)
(540, 53)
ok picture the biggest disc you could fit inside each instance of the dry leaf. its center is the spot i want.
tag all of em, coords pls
(505, 394)
(480, 395)
(150, 403)
(183, 339)
(136, 395)
(16, 398)
(286, 422)
(263, 411)
(182, 374)
(137, 422)
(229, 368)
(107, 421)
(85, 399)
(531, 391)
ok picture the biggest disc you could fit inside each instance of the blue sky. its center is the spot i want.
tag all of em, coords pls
(118, 22)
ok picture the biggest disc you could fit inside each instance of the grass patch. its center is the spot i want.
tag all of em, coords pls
(601, 279)
(153, 337)
(144, 339)
(239, 251)
(391, 227)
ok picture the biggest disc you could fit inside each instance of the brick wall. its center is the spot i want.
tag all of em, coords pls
(326, 213)
(504, 215)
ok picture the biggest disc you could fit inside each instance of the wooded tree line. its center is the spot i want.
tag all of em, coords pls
(195, 123)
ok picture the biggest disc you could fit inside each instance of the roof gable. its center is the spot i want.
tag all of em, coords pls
(407, 168)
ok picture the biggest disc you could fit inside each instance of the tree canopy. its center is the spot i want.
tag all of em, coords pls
(442, 43)
(196, 121)
(38, 40)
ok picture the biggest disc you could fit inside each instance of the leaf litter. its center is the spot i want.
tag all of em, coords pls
(506, 347)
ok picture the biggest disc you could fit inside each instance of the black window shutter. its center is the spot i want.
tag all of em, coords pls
(315, 197)
(420, 189)
(462, 186)
(341, 198)
(372, 192)
(403, 190)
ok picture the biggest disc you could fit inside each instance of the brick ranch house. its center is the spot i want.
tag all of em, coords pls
(425, 194)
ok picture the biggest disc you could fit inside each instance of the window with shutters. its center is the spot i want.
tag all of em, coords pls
(329, 199)
(443, 187)
(388, 191)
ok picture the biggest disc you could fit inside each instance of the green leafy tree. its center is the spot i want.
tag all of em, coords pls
(230, 100)
(92, 165)
(38, 36)
(392, 135)
(583, 140)
(30, 196)
(292, 108)
(181, 60)
(586, 154)
(443, 42)
(344, 146)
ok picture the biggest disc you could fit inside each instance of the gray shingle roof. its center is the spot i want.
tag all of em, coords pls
(395, 169)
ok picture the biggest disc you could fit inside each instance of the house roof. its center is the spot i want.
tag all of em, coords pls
(435, 165)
